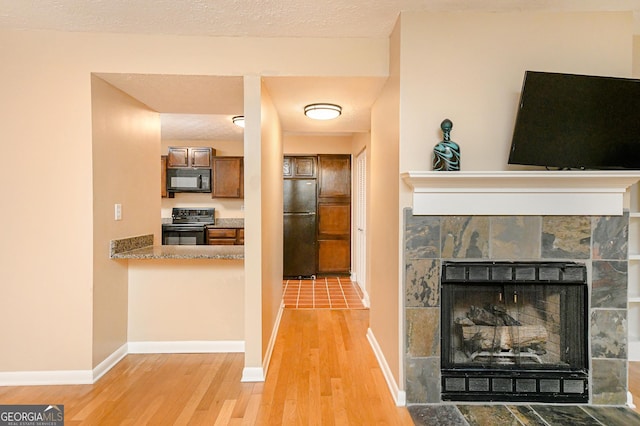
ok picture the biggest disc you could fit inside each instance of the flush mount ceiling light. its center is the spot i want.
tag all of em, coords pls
(238, 120)
(322, 111)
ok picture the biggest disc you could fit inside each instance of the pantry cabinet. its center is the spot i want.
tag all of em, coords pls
(334, 214)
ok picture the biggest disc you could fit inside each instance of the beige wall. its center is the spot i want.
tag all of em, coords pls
(186, 300)
(303, 144)
(469, 67)
(272, 214)
(636, 56)
(45, 80)
(384, 239)
(126, 145)
(225, 208)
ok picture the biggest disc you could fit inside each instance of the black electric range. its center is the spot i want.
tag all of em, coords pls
(188, 226)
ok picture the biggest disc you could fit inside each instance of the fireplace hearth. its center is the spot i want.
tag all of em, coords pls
(514, 331)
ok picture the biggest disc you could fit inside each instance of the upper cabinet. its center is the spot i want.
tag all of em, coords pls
(163, 176)
(197, 157)
(334, 176)
(299, 167)
(228, 177)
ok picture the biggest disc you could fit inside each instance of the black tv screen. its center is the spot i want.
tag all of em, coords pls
(568, 121)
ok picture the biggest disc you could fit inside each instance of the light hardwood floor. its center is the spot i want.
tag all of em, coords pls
(322, 372)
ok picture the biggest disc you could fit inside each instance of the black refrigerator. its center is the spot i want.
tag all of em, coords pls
(300, 228)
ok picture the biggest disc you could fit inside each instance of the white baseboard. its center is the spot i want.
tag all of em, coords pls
(634, 351)
(87, 377)
(109, 362)
(365, 299)
(252, 374)
(630, 403)
(272, 341)
(399, 396)
(46, 378)
(186, 347)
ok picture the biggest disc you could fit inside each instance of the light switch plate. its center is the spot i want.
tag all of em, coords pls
(118, 211)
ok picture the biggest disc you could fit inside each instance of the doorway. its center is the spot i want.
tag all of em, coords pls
(360, 218)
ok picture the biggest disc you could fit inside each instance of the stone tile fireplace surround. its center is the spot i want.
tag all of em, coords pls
(600, 242)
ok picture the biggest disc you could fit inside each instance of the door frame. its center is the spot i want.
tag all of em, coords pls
(360, 224)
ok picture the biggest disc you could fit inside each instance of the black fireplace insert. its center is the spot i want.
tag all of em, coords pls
(514, 331)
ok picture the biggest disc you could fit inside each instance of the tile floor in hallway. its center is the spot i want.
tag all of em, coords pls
(321, 293)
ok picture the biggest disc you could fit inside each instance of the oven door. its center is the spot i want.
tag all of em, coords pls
(183, 235)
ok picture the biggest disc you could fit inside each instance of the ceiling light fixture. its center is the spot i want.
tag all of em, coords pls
(322, 111)
(238, 120)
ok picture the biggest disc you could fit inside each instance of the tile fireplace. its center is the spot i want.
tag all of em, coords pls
(583, 259)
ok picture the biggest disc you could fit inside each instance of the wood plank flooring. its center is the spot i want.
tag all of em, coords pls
(322, 372)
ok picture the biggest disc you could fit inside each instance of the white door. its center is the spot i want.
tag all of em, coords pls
(360, 258)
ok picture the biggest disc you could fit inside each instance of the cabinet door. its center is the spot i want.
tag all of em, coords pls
(304, 167)
(334, 176)
(200, 157)
(334, 256)
(334, 237)
(163, 176)
(228, 177)
(221, 236)
(299, 167)
(334, 220)
(287, 167)
(178, 157)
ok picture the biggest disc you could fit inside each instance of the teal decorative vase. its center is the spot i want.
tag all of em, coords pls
(446, 153)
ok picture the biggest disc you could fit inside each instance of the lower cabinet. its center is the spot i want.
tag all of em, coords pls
(225, 236)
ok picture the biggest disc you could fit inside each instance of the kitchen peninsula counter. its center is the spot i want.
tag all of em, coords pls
(142, 247)
(183, 252)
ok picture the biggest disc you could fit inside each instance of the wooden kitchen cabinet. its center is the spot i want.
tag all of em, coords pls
(334, 214)
(183, 157)
(225, 236)
(299, 167)
(334, 176)
(163, 176)
(228, 177)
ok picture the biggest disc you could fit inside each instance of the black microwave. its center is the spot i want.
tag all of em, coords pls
(189, 180)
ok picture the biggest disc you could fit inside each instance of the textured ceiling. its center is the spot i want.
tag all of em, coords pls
(258, 18)
(200, 107)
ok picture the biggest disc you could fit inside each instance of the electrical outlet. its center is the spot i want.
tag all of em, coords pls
(118, 211)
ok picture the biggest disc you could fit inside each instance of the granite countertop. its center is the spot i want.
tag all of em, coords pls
(183, 252)
(228, 223)
(222, 222)
(142, 247)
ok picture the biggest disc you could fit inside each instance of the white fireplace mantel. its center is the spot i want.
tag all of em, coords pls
(520, 192)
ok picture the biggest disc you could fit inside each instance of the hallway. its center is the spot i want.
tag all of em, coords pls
(324, 372)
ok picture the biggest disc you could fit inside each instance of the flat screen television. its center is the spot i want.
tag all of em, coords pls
(569, 121)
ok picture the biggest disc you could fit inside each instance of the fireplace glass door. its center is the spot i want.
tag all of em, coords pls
(507, 322)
